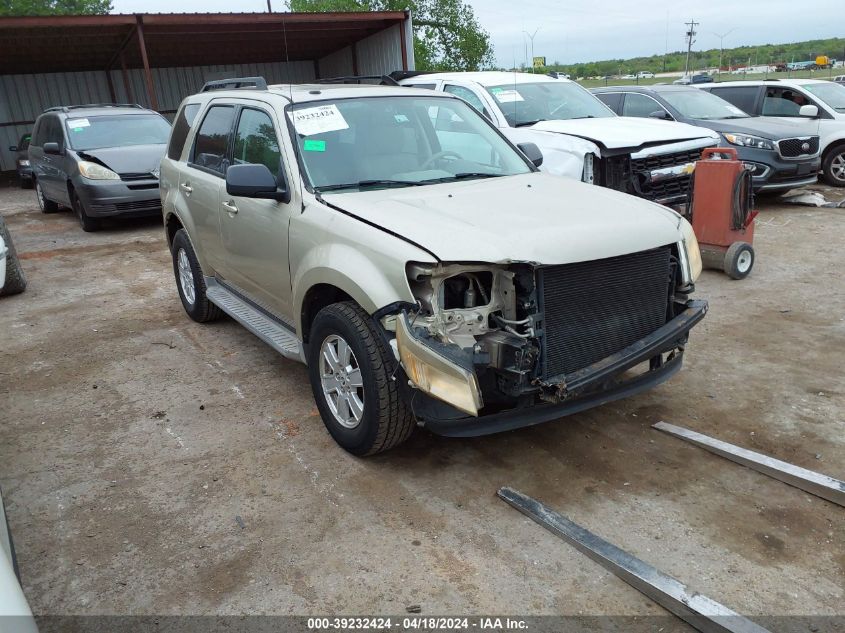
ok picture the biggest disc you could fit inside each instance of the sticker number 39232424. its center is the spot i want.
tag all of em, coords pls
(318, 120)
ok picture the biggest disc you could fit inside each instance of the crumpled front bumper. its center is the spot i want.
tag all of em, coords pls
(595, 385)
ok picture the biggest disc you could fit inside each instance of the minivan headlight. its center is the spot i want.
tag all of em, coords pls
(747, 140)
(95, 171)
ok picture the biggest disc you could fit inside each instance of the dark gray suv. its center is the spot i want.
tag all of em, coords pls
(784, 154)
(100, 160)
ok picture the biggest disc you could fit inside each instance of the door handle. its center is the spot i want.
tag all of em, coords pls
(230, 206)
(186, 188)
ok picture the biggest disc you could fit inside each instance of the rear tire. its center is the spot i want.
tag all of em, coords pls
(88, 224)
(364, 378)
(190, 281)
(739, 260)
(46, 206)
(833, 166)
(15, 280)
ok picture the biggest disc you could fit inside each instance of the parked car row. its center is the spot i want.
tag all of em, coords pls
(101, 160)
(783, 153)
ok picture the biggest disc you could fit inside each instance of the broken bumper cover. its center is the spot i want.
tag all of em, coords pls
(584, 389)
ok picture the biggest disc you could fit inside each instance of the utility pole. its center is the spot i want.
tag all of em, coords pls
(530, 37)
(269, 8)
(721, 40)
(690, 41)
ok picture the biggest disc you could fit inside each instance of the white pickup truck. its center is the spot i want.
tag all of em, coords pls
(578, 135)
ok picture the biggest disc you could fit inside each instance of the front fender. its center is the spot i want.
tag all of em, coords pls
(362, 261)
(563, 155)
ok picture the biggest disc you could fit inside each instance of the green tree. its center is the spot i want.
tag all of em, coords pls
(447, 35)
(54, 7)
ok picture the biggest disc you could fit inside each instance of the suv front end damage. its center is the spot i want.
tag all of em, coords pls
(494, 347)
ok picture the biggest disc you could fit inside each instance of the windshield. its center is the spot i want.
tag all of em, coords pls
(117, 131)
(697, 104)
(378, 142)
(525, 104)
(832, 94)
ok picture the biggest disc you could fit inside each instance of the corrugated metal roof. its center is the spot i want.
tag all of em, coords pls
(41, 44)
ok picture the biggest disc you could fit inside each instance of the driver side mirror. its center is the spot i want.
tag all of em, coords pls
(532, 153)
(254, 181)
(52, 148)
(809, 111)
(660, 114)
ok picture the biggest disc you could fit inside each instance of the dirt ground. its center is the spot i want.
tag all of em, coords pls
(152, 465)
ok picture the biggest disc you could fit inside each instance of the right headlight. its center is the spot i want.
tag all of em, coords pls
(688, 249)
(95, 171)
(747, 140)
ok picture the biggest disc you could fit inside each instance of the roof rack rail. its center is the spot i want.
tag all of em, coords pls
(384, 80)
(236, 83)
(83, 106)
(399, 75)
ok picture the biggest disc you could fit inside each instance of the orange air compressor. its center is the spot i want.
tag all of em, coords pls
(721, 210)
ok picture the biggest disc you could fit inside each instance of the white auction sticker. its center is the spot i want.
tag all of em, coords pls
(507, 96)
(75, 123)
(324, 118)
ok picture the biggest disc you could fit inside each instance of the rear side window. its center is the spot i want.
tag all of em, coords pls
(181, 128)
(612, 100)
(212, 143)
(256, 142)
(743, 97)
(639, 105)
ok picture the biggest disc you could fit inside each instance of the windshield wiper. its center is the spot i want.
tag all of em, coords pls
(586, 116)
(464, 175)
(527, 123)
(368, 183)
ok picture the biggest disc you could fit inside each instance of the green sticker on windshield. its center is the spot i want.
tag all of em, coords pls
(314, 145)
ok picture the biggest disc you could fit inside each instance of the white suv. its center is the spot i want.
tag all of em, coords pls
(579, 135)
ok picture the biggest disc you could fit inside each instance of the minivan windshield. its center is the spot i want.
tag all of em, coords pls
(398, 141)
(527, 103)
(698, 104)
(833, 94)
(117, 130)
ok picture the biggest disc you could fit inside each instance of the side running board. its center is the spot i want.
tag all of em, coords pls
(263, 326)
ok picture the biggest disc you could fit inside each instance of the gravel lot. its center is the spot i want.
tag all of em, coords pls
(152, 465)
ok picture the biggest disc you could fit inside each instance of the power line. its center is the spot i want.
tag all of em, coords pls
(690, 41)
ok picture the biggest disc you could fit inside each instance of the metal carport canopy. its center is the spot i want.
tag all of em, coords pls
(50, 44)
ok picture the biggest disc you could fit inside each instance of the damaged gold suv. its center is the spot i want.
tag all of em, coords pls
(417, 261)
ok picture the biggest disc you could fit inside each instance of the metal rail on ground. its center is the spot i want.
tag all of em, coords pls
(808, 480)
(699, 611)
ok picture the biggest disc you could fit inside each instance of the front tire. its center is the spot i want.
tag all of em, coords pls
(353, 378)
(46, 206)
(88, 224)
(15, 281)
(190, 281)
(833, 166)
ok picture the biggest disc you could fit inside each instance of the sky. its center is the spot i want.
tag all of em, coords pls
(592, 30)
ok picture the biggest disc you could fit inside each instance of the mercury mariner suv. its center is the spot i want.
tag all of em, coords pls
(420, 265)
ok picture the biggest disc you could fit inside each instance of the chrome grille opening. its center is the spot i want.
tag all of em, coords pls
(594, 309)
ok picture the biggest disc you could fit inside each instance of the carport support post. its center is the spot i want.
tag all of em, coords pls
(148, 76)
(111, 86)
(127, 85)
